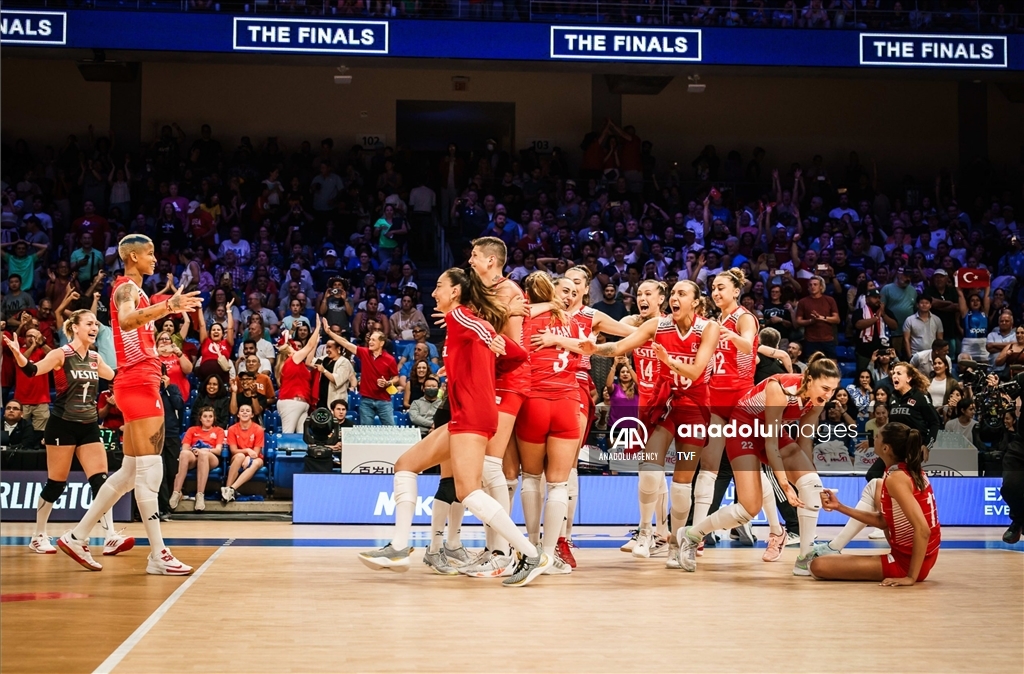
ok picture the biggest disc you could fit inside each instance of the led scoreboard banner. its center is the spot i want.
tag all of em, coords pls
(520, 41)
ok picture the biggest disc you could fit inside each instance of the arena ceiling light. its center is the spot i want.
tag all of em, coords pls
(695, 86)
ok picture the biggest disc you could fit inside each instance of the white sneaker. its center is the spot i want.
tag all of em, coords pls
(42, 545)
(224, 494)
(673, 555)
(642, 548)
(200, 503)
(117, 544)
(792, 539)
(457, 556)
(164, 564)
(228, 494)
(631, 543)
(687, 556)
(498, 566)
(78, 551)
(557, 568)
(175, 500)
(659, 545)
(877, 535)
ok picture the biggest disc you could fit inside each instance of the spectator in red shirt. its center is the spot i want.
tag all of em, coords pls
(534, 241)
(33, 392)
(111, 416)
(90, 222)
(817, 314)
(200, 224)
(47, 322)
(379, 373)
(245, 439)
(200, 448)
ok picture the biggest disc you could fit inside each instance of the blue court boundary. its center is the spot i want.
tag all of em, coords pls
(596, 542)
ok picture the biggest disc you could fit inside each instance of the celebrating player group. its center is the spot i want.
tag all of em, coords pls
(520, 401)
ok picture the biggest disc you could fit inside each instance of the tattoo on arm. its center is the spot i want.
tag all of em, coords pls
(123, 294)
(607, 350)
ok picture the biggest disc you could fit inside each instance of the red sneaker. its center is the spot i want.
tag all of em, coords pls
(564, 552)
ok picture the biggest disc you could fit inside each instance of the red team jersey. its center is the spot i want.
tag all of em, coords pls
(518, 379)
(137, 359)
(470, 367)
(734, 370)
(753, 404)
(901, 533)
(552, 370)
(584, 320)
(684, 347)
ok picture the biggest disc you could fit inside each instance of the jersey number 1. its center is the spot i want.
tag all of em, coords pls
(85, 390)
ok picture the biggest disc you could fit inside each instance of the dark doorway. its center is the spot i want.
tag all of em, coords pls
(428, 126)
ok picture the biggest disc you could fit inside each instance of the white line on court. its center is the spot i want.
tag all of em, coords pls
(115, 658)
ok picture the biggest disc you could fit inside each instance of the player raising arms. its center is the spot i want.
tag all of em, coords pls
(907, 516)
(73, 427)
(733, 379)
(137, 389)
(779, 399)
(685, 343)
(548, 428)
(470, 310)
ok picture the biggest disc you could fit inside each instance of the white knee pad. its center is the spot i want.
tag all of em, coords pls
(558, 492)
(809, 489)
(405, 487)
(704, 487)
(652, 480)
(573, 484)
(531, 482)
(493, 476)
(482, 506)
(123, 479)
(742, 516)
(149, 473)
(867, 495)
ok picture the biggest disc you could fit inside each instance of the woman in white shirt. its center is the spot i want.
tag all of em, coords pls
(964, 422)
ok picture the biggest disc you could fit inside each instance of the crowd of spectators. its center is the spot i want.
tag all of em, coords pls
(973, 16)
(311, 295)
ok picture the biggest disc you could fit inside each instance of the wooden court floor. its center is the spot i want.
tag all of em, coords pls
(272, 597)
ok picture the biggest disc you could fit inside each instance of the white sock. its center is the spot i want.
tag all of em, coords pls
(149, 473)
(438, 516)
(574, 492)
(808, 489)
(511, 484)
(117, 485)
(43, 508)
(489, 512)
(650, 475)
(681, 494)
(496, 488)
(533, 502)
(554, 514)
(455, 512)
(703, 494)
(729, 517)
(661, 511)
(854, 527)
(771, 510)
(405, 508)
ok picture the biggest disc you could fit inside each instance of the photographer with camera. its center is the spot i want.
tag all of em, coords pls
(1012, 489)
(322, 435)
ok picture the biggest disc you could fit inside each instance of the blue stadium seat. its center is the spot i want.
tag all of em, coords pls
(353, 416)
(848, 369)
(398, 402)
(271, 421)
(401, 345)
(402, 419)
(846, 381)
(217, 474)
(845, 353)
(289, 458)
(354, 398)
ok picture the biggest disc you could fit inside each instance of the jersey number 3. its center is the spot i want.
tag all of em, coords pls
(562, 362)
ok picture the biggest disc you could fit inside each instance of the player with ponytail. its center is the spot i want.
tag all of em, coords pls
(906, 512)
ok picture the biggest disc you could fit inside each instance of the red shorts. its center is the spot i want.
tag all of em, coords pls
(652, 406)
(137, 400)
(540, 419)
(725, 401)
(516, 381)
(510, 402)
(752, 446)
(477, 414)
(897, 564)
(689, 413)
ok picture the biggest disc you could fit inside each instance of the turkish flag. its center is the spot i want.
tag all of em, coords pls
(967, 277)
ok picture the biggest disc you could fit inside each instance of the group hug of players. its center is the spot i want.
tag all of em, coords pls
(519, 402)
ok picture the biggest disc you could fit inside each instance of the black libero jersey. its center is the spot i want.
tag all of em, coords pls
(914, 408)
(76, 385)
